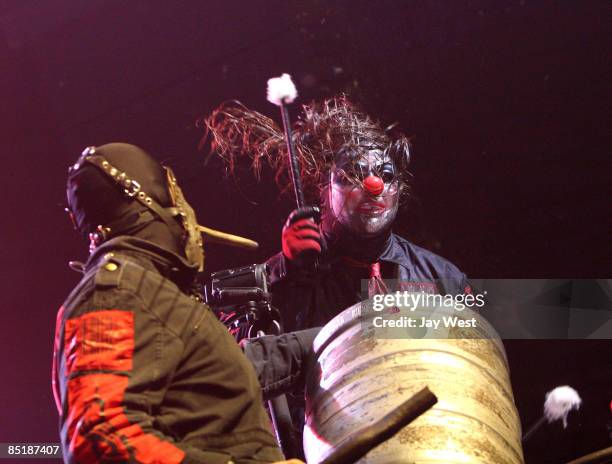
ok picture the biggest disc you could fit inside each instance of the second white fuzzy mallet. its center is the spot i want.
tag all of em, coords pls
(559, 402)
(557, 405)
(282, 92)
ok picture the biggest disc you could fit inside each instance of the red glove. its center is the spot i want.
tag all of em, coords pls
(301, 233)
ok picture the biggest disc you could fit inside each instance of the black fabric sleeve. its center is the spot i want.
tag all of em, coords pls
(281, 361)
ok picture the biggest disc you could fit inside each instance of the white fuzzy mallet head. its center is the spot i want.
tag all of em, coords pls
(281, 90)
(559, 402)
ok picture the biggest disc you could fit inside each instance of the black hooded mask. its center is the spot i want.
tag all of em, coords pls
(119, 189)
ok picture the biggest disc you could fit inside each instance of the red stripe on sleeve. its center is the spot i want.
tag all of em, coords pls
(97, 426)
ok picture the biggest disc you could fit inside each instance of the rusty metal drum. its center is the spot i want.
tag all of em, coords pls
(365, 370)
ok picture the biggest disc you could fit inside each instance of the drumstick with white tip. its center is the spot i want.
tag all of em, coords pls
(557, 405)
(282, 92)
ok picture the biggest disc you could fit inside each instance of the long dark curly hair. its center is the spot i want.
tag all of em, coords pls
(324, 131)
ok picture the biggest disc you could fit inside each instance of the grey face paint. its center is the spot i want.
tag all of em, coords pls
(364, 213)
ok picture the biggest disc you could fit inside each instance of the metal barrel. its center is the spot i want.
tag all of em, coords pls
(364, 371)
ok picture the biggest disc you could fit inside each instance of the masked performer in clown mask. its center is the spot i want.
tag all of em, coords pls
(357, 174)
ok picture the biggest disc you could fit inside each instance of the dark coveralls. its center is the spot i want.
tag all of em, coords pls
(144, 372)
(308, 298)
(312, 298)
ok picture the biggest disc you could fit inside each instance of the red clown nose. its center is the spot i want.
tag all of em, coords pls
(374, 185)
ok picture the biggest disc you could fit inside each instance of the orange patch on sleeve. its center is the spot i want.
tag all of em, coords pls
(96, 424)
(100, 340)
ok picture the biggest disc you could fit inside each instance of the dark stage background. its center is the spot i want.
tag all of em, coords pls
(508, 103)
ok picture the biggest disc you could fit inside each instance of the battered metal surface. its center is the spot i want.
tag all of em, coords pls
(362, 376)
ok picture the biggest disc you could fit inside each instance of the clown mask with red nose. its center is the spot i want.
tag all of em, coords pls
(364, 192)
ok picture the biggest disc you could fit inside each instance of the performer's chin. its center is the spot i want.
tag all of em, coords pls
(371, 228)
(373, 225)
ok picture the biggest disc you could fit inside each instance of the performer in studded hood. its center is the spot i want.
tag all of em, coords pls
(355, 174)
(142, 370)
